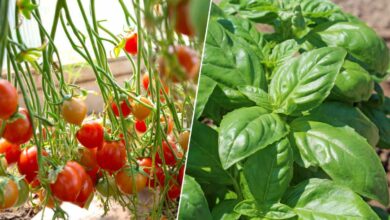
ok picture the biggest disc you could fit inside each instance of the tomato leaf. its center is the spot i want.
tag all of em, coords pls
(343, 154)
(304, 82)
(247, 130)
(276, 162)
(193, 204)
(324, 199)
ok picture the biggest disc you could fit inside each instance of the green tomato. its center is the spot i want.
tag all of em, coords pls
(106, 187)
(353, 84)
(23, 192)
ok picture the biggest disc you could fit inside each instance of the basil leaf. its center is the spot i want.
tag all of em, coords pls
(193, 204)
(380, 119)
(324, 199)
(203, 162)
(353, 84)
(231, 63)
(257, 95)
(337, 150)
(274, 167)
(304, 82)
(282, 52)
(269, 211)
(346, 115)
(225, 210)
(359, 40)
(247, 130)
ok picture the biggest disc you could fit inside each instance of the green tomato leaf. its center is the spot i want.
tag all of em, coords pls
(257, 95)
(324, 199)
(359, 40)
(193, 204)
(247, 130)
(340, 115)
(272, 165)
(203, 162)
(268, 211)
(380, 119)
(343, 154)
(225, 210)
(304, 82)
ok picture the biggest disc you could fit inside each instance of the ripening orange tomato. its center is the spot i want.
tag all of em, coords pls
(141, 112)
(126, 182)
(74, 111)
(10, 193)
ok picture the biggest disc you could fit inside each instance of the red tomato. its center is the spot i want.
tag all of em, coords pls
(28, 163)
(74, 111)
(140, 126)
(69, 182)
(174, 191)
(8, 99)
(168, 154)
(91, 135)
(145, 81)
(11, 151)
(94, 174)
(180, 14)
(111, 156)
(141, 112)
(126, 109)
(19, 131)
(85, 193)
(146, 163)
(88, 158)
(131, 45)
(125, 182)
(160, 175)
(181, 175)
(10, 192)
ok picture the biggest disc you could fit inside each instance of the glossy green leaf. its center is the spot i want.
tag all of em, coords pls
(225, 210)
(203, 162)
(193, 204)
(268, 211)
(268, 172)
(205, 90)
(240, 64)
(323, 199)
(282, 52)
(304, 82)
(353, 84)
(359, 40)
(247, 130)
(380, 119)
(344, 155)
(340, 115)
(257, 95)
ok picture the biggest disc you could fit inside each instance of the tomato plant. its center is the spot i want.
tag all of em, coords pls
(130, 183)
(169, 154)
(8, 99)
(289, 127)
(28, 163)
(91, 134)
(131, 45)
(111, 156)
(19, 131)
(23, 192)
(106, 108)
(74, 111)
(11, 151)
(69, 182)
(10, 193)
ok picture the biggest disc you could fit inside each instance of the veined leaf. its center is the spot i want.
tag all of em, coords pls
(268, 172)
(323, 199)
(304, 82)
(268, 211)
(344, 155)
(225, 210)
(257, 95)
(247, 130)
